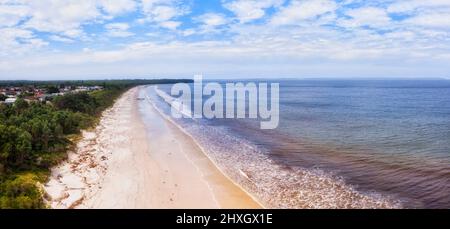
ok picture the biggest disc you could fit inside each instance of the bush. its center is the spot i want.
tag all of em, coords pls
(21, 192)
(80, 102)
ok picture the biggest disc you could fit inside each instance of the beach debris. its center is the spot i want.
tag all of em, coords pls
(74, 199)
(78, 179)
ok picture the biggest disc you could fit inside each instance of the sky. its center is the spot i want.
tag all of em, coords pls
(110, 39)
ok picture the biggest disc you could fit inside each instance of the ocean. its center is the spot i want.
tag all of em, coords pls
(339, 144)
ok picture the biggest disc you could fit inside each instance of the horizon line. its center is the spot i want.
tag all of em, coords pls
(234, 78)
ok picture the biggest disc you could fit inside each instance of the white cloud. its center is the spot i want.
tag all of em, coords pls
(249, 10)
(118, 30)
(265, 58)
(11, 15)
(118, 7)
(253, 40)
(366, 16)
(188, 32)
(436, 20)
(432, 14)
(58, 38)
(14, 41)
(298, 11)
(73, 33)
(403, 6)
(212, 19)
(118, 26)
(163, 12)
(60, 16)
(170, 24)
(209, 23)
(64, 20)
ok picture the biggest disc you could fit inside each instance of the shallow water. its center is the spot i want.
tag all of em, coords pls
(340, 144)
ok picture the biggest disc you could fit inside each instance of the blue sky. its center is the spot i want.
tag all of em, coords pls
(84, 39)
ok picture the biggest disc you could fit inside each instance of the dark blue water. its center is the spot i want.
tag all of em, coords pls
(342, 143)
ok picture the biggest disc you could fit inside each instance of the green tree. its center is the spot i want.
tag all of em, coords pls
(81, 102)
(15, 146)
(20, 192)
(20, 105)
(23, 147)
(52, 89)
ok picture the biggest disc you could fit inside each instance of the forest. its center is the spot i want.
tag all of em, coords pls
(34, 136)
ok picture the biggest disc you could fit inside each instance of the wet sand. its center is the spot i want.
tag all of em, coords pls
(137, 159)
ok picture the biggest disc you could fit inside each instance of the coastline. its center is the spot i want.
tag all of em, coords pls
(129, 162)
(204, 153)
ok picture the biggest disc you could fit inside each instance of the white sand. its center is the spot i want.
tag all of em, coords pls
(125, 164)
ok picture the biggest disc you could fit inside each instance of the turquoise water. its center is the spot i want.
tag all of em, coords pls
(382, 143)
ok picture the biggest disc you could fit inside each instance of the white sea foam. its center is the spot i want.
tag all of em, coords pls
(174, 102)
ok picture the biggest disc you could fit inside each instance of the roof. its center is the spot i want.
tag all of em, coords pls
(10, 100)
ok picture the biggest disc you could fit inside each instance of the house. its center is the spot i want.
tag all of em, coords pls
(10, 100)
(40, 96)
(10, 93)
(66, 89)
(95, 88)
(57, 94)
(81, 89)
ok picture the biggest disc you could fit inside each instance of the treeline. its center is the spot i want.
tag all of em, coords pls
(105, 83)
(36, 136)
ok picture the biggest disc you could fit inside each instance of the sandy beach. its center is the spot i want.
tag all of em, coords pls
(129, 162)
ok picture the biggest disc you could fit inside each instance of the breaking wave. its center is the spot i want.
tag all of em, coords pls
(174, 102)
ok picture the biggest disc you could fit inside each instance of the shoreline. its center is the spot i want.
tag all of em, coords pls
(129, 162)
(203, 151)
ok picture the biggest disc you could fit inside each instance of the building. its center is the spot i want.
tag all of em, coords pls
(10, 100)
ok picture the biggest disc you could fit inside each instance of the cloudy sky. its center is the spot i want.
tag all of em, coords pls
(82, 39)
